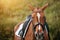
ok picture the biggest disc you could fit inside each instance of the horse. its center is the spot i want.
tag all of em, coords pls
(36, 29)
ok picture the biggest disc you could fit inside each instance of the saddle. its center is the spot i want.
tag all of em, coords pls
(23, 31)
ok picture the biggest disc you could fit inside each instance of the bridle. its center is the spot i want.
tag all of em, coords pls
(36, 24)
(34, 29)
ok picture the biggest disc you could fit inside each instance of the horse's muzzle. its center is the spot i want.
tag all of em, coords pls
(39, 36)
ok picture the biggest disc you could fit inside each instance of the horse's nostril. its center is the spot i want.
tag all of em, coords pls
(36, 35)
(41, 35)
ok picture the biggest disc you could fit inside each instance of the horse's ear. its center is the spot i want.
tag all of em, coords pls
(45, 6)
(31, 7)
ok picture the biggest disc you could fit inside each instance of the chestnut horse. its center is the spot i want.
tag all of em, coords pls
(36, 30)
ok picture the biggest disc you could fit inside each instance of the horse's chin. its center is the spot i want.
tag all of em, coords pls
(38, 39)
(41, 37)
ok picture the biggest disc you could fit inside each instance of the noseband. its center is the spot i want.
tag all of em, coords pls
(36, 24)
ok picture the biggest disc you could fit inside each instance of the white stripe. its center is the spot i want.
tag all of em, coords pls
(39, 27)
(38, 15)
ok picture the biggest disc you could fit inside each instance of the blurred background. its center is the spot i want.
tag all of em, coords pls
(15, 11)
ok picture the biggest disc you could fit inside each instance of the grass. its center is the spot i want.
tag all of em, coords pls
(13, 13)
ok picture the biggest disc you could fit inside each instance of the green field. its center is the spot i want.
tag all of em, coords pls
(15, 11)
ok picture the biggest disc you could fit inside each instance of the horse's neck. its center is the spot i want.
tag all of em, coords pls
(30, 35)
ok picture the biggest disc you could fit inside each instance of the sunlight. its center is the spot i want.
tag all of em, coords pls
(5, 2)
(12, 3)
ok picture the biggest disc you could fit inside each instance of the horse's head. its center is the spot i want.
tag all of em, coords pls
(38, 21)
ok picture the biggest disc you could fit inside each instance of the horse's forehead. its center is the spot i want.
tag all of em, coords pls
(37, 9)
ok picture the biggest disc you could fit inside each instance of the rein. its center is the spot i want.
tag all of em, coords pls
(36, 24)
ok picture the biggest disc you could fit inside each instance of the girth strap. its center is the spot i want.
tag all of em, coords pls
(27, 26)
